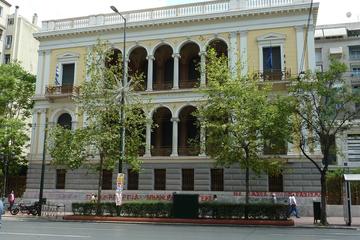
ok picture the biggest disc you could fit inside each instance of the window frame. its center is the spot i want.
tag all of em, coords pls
(214, 186)
(105, 185)
(189, 187)
(156, 181)
(67, 58)
(132, 173)
(60, 172)
(274, 188)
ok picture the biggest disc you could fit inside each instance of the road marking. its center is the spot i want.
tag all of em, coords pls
(43, 235)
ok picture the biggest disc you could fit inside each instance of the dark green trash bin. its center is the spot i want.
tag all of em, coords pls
(185, 206)
(317, 211)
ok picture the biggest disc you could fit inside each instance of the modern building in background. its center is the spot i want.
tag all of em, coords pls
(19, 43)
(4, 12)
(166, 44)
(342, 41)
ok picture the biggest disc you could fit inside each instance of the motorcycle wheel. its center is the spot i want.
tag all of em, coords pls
(34, 211)
(14, 211)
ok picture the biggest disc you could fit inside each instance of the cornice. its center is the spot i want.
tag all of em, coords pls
(237, 14)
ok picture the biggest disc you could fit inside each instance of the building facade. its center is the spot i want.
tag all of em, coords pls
(166, 44)
(4, 12)
(342, 41)
(19, 43)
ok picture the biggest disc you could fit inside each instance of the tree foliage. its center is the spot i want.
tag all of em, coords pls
(16, 90)
(324, 104)
(96, 144)
(241, 115)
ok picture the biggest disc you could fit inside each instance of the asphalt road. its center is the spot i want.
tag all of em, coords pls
(31, 229)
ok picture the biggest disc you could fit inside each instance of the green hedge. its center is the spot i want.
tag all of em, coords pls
(237, 211)
(206, 210)
(130, 209)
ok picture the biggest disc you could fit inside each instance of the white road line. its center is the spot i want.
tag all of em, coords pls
(43, 235)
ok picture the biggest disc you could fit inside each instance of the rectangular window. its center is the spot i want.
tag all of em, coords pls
(275, 183)
(272, 63)
(354, 52)
(318, 54)
(159, 179)
(107, 180)
(60, 178)
(7, 59)
(271, 147)
(217, 179)
(68, 73)
(1, 11)
(188, 179)
(133, 180)
(8, 41)
(353, 146)
(355, 70)
(11, 21)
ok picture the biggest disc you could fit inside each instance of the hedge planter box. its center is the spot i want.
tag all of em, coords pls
(207, 210)
(253, 222)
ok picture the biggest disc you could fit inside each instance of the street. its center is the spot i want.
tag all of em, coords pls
(30, 229)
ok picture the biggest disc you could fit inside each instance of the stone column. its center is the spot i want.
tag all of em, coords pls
(243, 53)
(150, 59)
(176, 57)
(39, 76)
(311, 49)
(202, 141)
(33, 133)
(202, 68)
(41, 135)
(46, 76)
(232, 53)
(175, 122)
(299, 46)
(148, 138)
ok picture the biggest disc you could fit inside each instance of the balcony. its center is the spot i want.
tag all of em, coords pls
(161, 151)
(61, 91)
(274, 75)
(169, 12)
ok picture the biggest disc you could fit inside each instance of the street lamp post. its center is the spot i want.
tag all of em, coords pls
(122, 100)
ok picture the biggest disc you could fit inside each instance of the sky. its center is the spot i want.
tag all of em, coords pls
(331, 11)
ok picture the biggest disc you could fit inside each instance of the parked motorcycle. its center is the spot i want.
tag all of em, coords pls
(25, 209)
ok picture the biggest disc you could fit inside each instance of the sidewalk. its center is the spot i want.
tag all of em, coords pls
(303, 222)
(334, 222)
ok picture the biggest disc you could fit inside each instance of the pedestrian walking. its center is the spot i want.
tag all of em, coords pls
(2, 211)
(11, 200)
(293, 206)
(273, 198)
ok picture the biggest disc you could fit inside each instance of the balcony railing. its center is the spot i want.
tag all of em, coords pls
(273, 75)
(354, 55)
(163, 86)
(61, 91)
(177, 11)
(189, 83)
(161, 151)
(189, 151)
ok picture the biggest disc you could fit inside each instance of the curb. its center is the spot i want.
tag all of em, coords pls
(233, 222)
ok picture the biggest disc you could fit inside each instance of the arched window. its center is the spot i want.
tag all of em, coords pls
(161, 137)
(189, 61)
(65, 120)
(138, 65)
(220, 47)
(163, 68)
(189, 132)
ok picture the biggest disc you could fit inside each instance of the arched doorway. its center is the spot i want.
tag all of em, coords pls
(138, 66)
(161, 136)
(219, 46)
(189, 132)
(189, 62)
(163, 69)
(65, 121)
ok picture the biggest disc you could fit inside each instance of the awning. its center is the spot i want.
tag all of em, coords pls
(333, 32)
(336, 50)
(352, 177)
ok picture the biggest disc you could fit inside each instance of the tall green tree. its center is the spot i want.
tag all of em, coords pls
(324, 106)
(16, 90)
(241, 115)
(96, 145)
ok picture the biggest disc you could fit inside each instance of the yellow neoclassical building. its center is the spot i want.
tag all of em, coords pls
(166, 44)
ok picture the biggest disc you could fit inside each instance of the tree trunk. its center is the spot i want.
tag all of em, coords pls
(247, 191)
(98, 204)
(323, 216)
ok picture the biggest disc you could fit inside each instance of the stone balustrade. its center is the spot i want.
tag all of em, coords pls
(169, 12)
